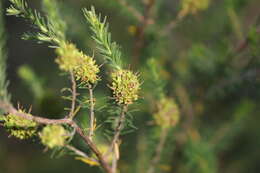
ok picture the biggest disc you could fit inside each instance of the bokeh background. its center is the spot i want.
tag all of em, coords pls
(209, 62)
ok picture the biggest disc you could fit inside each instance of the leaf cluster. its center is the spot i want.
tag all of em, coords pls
(109, 49)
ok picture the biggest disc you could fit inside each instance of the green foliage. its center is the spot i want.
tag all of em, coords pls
(154, 79)
(3, 56)
(200, 157)
(110, 50)
(199, 54)
(51, 8)
(31, 80)
(167, 114)
(47, 28)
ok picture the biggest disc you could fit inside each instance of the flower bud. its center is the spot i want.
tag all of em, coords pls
(71, 59)
(167, 114)
(20, 127)
(53, 136)
(86, 71)
(125, 86)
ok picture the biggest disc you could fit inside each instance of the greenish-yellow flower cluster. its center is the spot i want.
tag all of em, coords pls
(71, 59)
(167, 114)
(20, 127)
(125, 86)
(192, 7)
(53, 136)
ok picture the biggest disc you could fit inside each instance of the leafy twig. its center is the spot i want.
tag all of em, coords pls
(3, 82)
(110, 50)
(10, 109)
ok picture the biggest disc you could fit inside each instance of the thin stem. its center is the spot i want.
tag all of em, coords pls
(91, 112)
(132, 10)
(10, 109)
(77, 151)
(118, 130)
(158, 151)
(114, 163)
(81, 153)
(93, 147)
(171, 25)
(140, 35)
(74, 95)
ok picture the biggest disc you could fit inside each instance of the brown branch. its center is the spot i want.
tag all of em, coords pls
(132, 10)
(140, 35)
(74, 95)
(93, 147)
(244, 43)
(187, 107)
(10, 109)
(159, 149)
(171, 25)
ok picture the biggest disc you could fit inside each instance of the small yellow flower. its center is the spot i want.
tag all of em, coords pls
(167, 114)
(71, 59)
(86, 71)
(68, 56)
(20, 127)
(53, 136)
(125, 86)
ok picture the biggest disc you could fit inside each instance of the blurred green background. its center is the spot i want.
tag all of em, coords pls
(209, 63)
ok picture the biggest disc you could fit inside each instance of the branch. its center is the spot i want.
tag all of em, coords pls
(74, 95)
(10, 109)
(171, 25)
(159, 149)
(91, 111)
(120, 126)
(80, 153)
(140, 35)
(132, 10)
(118, 130)
(93, 147)
(76, 151)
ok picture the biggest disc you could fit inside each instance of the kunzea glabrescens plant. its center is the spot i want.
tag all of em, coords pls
(83, 71)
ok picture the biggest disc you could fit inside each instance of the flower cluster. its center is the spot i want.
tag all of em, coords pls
(71, 59)
(193, 6)
(20, 127)
(125, 86)
(167, 114)
(53, 136)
